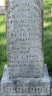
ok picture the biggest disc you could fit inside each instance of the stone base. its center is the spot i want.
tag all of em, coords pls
(25, 86)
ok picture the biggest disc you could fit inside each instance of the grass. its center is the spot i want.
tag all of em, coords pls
(48, 35)
(3, 59)
(47, 38)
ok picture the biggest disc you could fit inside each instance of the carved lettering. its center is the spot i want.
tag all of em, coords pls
(26, 89)
(24, 39)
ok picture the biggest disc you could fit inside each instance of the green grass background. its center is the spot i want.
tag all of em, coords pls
(47, 38)
(3, 59)
(48, 35)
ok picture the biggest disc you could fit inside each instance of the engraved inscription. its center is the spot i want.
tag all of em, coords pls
(27, 89)
(24, 39)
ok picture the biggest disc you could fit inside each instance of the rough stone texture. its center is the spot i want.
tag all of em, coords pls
(10, 95)
(25, 86)
(24, 38)
(25, 73)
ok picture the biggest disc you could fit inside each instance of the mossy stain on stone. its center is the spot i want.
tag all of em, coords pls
(6, 3)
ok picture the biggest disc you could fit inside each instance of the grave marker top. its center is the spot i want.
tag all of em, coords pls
(25, 56)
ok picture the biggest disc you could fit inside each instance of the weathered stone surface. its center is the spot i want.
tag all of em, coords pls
(15, 95)
(25, 73)
(25, 86)
(24, 38)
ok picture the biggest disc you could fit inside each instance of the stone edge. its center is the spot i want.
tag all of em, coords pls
(5, 78)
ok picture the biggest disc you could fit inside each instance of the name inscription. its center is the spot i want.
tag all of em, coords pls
(27, 89)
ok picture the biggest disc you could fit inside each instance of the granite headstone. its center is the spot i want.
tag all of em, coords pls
(25, 73)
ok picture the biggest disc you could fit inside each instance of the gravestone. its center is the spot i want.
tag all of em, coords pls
(25, 73)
